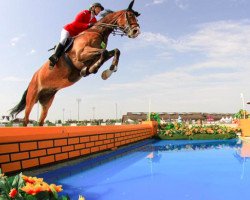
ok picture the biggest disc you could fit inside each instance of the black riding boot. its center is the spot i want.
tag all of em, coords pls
(55, 57)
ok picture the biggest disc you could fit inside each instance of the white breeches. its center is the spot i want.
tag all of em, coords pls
(64, 35)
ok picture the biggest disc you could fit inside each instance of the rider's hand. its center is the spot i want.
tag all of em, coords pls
(90, 25)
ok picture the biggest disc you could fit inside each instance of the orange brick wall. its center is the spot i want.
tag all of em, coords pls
(28, 147)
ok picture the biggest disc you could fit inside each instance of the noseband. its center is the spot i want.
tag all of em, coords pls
(128, 24)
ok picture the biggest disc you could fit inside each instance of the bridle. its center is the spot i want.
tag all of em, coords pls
(119, 30)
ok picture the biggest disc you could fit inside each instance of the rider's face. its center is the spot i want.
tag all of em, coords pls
(97, 10)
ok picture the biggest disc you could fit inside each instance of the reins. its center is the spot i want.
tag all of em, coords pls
(117, 30)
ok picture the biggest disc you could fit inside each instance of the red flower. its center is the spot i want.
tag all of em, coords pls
(13, 193)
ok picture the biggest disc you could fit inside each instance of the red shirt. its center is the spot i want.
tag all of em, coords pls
(80, 23)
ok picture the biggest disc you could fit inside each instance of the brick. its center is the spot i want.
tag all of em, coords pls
(94, 149)
(109, 136)
(79, 146)
(54, 150)
(84, 139)
(118, 135)
(106, 141)
(30, 163)
(61, 156)
(90, 144)
(8, 148)
(47, 159)
(60, 142)
(67, 148)
(38, 153)
(73, 141)
(103, 147)
(111, 145)
(74, 154)
(130, 133)
(98, 143)
(118, 144)
(94, 138)
(45, 144)
(4, 158)
(85, 151)
(19, 156)
(102, 137)
(28, 146)
(127, 137)
(10, 167)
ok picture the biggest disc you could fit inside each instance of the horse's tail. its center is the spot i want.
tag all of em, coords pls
(20, 106)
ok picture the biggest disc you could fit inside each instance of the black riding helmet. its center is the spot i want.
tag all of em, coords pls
(97, 5)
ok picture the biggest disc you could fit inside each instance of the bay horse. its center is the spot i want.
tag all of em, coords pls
(86, 55)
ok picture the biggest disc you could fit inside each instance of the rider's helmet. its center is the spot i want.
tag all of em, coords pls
(97, 5)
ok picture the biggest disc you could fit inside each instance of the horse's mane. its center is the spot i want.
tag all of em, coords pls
(106, 12)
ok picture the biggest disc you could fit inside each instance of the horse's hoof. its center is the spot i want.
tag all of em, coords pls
(83, 72)
(106, 74)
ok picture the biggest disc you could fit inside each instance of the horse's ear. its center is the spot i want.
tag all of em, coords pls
(137, 14)
(131, 5)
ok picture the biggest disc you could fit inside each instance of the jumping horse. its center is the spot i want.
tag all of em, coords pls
(85, 56)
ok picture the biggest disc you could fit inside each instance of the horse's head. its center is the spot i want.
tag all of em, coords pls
(128, 23)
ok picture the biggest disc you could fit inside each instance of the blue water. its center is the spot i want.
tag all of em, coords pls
(155, 170)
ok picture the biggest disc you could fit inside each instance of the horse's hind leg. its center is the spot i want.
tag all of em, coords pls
(45, 109)
(46, 97)
(31, 99)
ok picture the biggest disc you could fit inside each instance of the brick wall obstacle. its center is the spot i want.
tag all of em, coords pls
(22, 148)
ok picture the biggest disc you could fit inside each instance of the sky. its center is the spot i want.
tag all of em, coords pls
(191, 56)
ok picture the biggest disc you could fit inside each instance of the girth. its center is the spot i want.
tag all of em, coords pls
(74, 73)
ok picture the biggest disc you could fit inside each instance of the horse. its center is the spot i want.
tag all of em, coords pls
(85, 56)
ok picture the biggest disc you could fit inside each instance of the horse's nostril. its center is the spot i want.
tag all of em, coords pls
(134, 32)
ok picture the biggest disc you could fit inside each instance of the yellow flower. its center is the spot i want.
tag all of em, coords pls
(57, 188)
(29, 179)
(81, 197)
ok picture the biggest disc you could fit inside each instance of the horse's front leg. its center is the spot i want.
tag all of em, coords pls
(88, 54)
(103, 58)
(116, 53)
(106, 55)
(113, 68)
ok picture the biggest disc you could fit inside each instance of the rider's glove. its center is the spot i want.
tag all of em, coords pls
(90, 25)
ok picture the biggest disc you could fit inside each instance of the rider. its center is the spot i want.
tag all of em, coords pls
(84, 20)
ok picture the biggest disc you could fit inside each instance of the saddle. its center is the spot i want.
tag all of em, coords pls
(68, 45)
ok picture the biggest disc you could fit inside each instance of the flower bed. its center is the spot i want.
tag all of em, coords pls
(179, 131)
(182, 131)
(22, 187)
